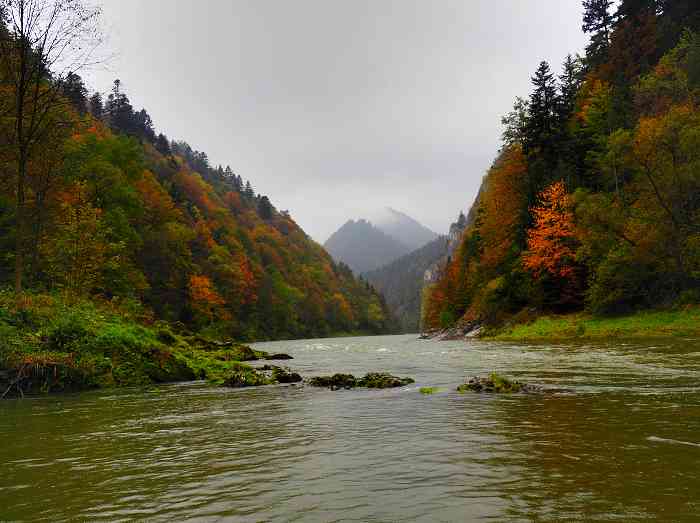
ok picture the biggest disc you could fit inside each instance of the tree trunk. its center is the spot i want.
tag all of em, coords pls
(20, 227)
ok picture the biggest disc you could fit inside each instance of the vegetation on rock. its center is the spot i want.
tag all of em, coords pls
(372, 380)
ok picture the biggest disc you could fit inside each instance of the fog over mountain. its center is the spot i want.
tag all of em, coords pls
(364, 247)
(401, 227)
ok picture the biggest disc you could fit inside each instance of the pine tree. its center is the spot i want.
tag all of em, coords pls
(96, 106)
(265, 208)
(143, 125)
(631, 9)
(74, 89)
(598, 21)
(119, 110)
(248, 192)
(162, 145)
(569, 84)
(542, 108)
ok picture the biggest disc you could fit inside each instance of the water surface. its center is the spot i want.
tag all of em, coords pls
(624, 446)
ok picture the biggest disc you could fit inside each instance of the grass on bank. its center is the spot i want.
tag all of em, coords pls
(683, 322)
(51, 343)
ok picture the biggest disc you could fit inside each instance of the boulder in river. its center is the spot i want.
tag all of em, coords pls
(372, 380)
(278, 356)
(494, 383)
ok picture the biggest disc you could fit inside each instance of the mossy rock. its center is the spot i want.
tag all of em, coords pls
(382, 380)
(335, 382)
(279, 356)
(372, 380)
(244, 376)
(285, 375)
(495, 383)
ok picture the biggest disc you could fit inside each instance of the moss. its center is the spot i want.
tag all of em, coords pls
(493, 383)
(429, 390)
(334, 382)
(683, 322)
(240, 375)
(53, 345)
(380, 380)
(372, 380)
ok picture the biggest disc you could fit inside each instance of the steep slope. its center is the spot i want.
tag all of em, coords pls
(402, 227)
(401, 282)
(363, 247)
(117, 213)
(593, 202)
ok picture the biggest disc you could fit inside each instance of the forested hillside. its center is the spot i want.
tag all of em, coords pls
(401, 282)
(593, 201)
(94, 203)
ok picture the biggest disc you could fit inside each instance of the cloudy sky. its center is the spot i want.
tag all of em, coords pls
(337, 108)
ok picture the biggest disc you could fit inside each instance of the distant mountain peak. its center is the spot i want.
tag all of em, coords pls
(402, 227)
(377, 239)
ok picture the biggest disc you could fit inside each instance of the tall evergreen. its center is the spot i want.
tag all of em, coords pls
(631, 9)
(598, 21)
(119, 110)
(96, 106)
(542, 109)
(74, 90)
(569, 84)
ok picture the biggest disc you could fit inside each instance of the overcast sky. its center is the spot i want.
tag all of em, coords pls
(336, 108)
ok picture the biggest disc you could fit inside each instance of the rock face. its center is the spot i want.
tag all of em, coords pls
(372, 380)
(458, 332)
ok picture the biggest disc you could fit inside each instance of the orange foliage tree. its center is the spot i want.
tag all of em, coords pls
(552, 239)
(205, 299)
(503, 203)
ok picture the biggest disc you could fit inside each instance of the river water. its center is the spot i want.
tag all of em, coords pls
(624, 445)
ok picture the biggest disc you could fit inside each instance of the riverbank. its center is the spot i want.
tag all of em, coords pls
(51, 344)
(647, 324)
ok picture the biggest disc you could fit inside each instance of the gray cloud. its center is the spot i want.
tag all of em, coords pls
(334, 107)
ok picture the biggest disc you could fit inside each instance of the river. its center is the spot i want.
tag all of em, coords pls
(624, 445)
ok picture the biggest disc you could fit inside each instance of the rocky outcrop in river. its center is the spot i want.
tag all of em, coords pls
(372, 380)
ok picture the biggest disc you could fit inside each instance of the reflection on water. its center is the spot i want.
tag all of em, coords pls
(624, 445)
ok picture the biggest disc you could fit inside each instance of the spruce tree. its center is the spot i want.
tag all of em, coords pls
(569, 84)
(74, 89)
(542, 108)
(96, 106)
(631, 9)
(598, 21)
(162, 145)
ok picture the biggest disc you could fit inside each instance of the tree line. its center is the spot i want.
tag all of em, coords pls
(96, 204)
(593, 201)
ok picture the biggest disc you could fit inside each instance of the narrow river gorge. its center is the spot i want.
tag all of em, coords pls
(623, 445)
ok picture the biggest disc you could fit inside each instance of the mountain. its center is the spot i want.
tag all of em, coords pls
(401, 282)
(402, 227)
(378, 239)
(364, 247)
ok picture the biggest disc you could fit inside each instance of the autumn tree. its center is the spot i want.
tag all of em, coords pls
(549, 241)
(79, 250)
(49, 41)
(552, 243)
(204, 297)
